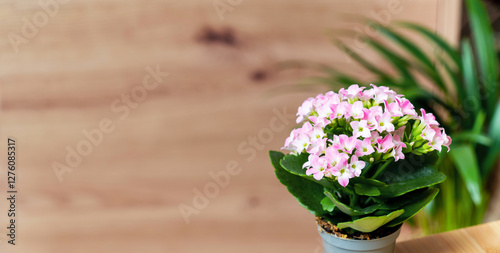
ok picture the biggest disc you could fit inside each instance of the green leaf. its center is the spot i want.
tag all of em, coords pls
(492, 155)
(470, 76)
(398, 62)
(471, 137)
(382, 168)
(416, 51)
(396, 203)
(438, 40)
(399, 171)
(454, 76)
(465, 160)
(366, 190)
(414, 207)
(484, 45)
(371, 223)
(327, 204)
(351, 211)
(368, 181)
(293, 163)
(410, 179)
(365, 63)
(406, 44)
(308, 193)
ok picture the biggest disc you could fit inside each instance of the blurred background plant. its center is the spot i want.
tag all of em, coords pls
(460, 86)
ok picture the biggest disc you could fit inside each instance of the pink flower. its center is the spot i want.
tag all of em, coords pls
(364, 147)
(428, 118)
(382, 93)
(343, 175)
(356, 166)
(375, 137)
(306, 128)
(289, 141)
(344, 143)
(399, 132)
(332, 98)
(397, 152)
(316, 166)
(440, 139)
(324, 111)
(319, 122)
(356, 110)
(385, 144)
(406, 107)
(353, 91)
(371, 115)
(335, 158)
(360, 128)
(384, 123)
(393, 108)
(340, 110)
(447, 140)
(305, 109)
(301, 142)
(317, 146)
(428, 133)
(316, 133)
(437, 142)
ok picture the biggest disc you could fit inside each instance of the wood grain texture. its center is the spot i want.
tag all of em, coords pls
(220, 93)
(481, 239)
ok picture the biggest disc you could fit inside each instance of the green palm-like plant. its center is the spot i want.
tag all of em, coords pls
(464, 99)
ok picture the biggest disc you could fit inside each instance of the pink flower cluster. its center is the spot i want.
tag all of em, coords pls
(342, 131)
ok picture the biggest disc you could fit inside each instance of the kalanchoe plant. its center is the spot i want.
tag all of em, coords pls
(362, 159)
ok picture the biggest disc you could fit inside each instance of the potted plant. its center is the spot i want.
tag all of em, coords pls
(362, 162)
(464, 98)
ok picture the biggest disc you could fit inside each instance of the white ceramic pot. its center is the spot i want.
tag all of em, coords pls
(334, 244)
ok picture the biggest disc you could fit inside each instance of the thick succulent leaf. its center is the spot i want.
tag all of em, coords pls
(371, 223)
(464, 158)
(411, 180)
(351, 211)
(366, 190)
(327, 204)
(368, 181)
(293, 164)
(308, 193)
(414, 207)
(389, 205)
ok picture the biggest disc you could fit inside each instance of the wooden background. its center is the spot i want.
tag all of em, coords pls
(221, 90)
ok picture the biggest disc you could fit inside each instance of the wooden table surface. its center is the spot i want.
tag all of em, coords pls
(484, 238)
(63, 78)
